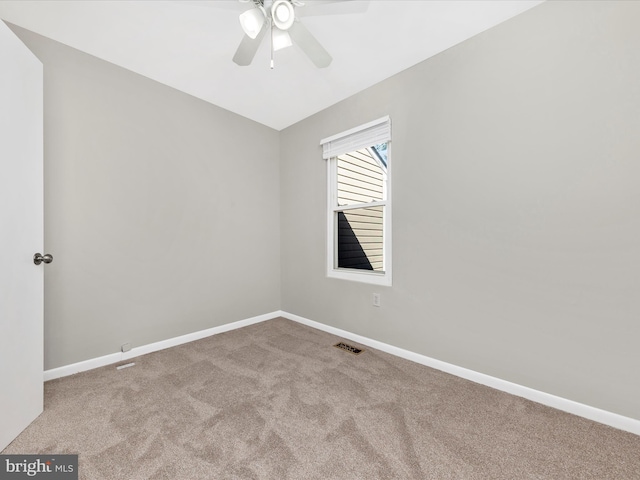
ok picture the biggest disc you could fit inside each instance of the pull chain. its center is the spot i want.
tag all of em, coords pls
(271, 25)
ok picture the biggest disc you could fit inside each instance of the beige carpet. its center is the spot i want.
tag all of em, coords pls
(276, 400)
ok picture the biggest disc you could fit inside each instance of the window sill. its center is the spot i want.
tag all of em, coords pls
(361, 276)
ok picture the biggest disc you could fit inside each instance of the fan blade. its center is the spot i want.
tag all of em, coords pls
(309, 45)
(223, 4)
(248, 48)
(332, 7)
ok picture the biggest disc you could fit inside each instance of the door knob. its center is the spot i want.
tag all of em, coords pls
(39, 258)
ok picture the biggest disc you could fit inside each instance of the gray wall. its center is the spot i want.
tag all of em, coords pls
(516, 206)
(162, 217)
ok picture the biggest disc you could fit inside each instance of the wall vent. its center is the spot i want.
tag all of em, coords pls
(349, 348)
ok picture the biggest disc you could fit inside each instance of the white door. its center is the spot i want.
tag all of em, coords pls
(21, 236)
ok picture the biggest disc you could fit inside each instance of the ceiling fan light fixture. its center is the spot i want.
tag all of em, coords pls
(282, 14)
(252, 21)
(281, 39)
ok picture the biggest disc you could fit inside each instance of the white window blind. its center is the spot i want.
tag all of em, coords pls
(367, 135)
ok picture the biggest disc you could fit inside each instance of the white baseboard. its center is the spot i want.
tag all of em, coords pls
(152, 347)
(598, 415)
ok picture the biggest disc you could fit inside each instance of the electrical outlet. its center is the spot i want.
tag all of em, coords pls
(125, 347)
(376, 299)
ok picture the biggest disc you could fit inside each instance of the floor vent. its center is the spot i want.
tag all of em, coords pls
(349, 348)
(126, 365)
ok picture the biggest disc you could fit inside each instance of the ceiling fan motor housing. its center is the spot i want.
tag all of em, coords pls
(282, 14)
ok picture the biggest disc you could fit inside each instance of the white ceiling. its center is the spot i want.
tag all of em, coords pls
(189, 45)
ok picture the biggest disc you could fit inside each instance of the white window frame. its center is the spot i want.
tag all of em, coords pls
(350, 141)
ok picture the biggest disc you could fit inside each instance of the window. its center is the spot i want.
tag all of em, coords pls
(359, 209)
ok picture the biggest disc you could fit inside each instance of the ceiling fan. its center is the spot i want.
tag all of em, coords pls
(277, 18)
